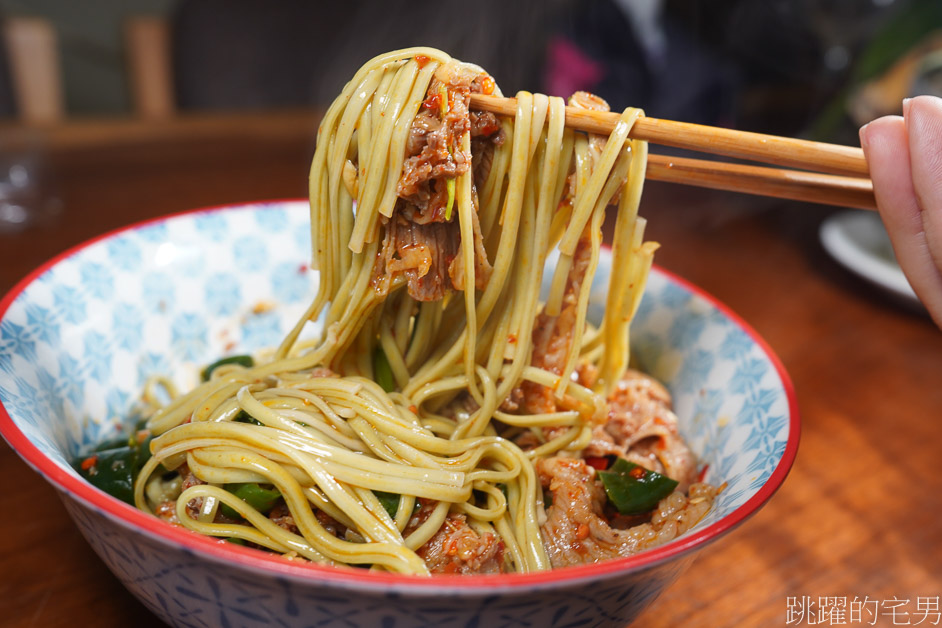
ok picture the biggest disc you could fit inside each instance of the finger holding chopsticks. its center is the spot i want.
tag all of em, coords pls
(906, 154)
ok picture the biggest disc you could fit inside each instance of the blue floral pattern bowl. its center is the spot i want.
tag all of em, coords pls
(79, 336)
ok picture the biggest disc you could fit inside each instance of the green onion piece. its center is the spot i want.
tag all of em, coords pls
(111, 470)
(245, 417)
(634, 490)
(244, 360)
(443, 105)
(450, 186)
(114, 465)
(114, 443)
(143, 454)
(390, 502)
(259, 498)
(443, 99)
(382, 371)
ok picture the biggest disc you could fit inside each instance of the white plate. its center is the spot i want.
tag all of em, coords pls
(859, 242)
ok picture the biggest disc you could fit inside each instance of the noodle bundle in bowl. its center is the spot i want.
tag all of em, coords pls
(446, 403)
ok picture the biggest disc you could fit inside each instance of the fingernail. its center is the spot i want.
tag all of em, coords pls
(863, 135)
(906, 102)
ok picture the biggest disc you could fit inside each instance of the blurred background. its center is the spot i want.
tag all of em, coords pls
(154, 79)
(788, 66)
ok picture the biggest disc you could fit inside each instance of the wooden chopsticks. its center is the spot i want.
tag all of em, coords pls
(823, 168)
(796, 185)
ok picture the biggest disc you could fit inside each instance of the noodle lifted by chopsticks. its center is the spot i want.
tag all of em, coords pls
(431, 227)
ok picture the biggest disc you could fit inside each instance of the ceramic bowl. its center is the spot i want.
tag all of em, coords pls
(80, 334)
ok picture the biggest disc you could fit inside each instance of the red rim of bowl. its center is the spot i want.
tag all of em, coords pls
(255, 559)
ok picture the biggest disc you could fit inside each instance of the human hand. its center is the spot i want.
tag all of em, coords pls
(905, 159)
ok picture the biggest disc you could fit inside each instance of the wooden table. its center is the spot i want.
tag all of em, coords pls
(860, 515)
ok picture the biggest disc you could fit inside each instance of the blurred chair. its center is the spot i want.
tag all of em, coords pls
(150, 76)
(35, 75)
(7, 102)
(226, 55)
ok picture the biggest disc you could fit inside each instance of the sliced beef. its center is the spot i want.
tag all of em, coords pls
(576, 530)
(553, 335)
(421, 242)
(458, 549)
(422, 252)
(281, 517)
(642, 428)
(434, 145)
(193, 506)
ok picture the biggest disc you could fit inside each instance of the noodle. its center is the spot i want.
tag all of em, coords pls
(430, 266)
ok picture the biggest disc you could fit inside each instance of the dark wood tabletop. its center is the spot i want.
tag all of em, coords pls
(859, 518)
